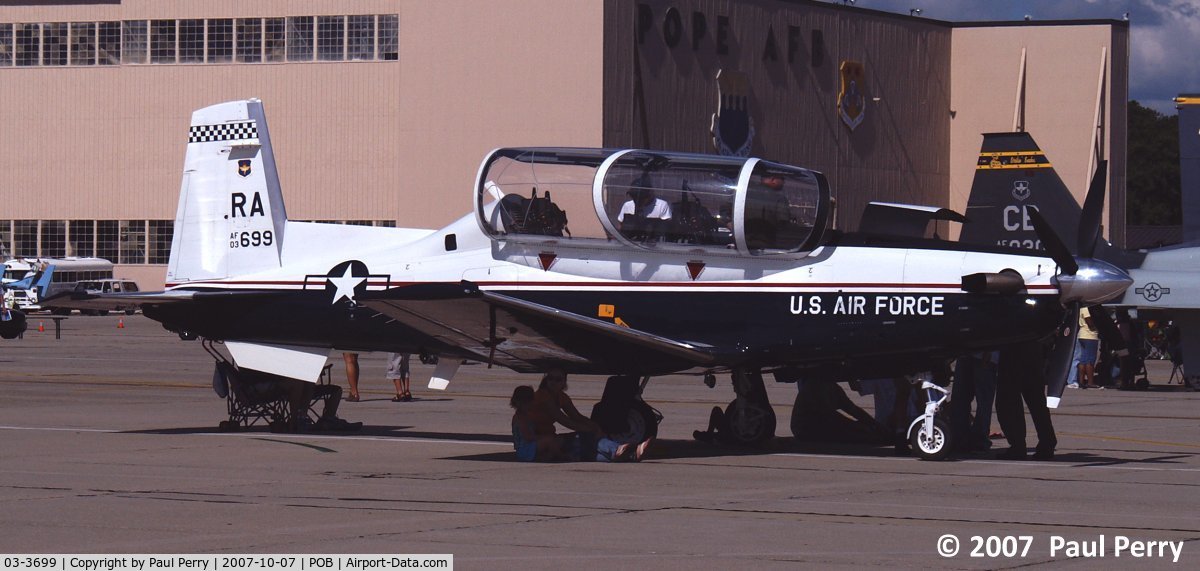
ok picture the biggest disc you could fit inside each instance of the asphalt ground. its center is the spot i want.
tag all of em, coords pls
(108, 444)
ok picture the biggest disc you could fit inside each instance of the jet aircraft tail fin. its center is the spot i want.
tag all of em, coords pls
(231, 218)
(42, 281)
(1012, 176)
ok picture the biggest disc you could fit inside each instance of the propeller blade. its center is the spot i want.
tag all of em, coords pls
(1054, 245)
(1093, 210)
(1107, 328)
(1058, 362)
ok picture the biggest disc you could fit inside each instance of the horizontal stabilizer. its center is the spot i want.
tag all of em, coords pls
(122, 301)
(114, 301)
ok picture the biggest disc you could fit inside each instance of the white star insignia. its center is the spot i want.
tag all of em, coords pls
(345, 285)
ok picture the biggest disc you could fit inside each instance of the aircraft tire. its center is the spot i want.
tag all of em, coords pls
(937, 447)
(750, 422)
(643, 424)
(14, 327)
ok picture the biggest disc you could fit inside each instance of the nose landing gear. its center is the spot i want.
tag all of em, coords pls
(929, 435)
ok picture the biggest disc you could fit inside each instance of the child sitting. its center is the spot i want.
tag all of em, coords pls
(529, 445)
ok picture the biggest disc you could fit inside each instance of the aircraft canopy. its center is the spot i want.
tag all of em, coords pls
(652, 199)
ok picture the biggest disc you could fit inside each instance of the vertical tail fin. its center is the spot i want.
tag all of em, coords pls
(1013, 175)
(1189, 165)
(231, 218)
(42, 282)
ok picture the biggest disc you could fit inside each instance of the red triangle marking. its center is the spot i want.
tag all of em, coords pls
(547, 258)
(694, 268)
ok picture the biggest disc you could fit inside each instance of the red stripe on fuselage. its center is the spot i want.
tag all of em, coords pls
(577, 285)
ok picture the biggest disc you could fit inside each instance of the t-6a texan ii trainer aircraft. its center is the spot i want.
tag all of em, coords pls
(599, 261)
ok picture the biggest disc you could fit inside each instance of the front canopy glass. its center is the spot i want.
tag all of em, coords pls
(653, 200)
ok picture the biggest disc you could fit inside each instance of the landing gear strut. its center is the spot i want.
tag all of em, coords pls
(928, 434)
(750, 417)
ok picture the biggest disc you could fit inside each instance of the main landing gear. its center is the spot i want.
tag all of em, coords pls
(750, 418)
(622, 413)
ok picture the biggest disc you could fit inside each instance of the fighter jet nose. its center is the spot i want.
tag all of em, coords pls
(1095, 282)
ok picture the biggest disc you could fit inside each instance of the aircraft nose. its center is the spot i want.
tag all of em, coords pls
(1095, 282)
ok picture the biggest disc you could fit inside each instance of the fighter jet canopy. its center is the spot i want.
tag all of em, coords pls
(652, 199)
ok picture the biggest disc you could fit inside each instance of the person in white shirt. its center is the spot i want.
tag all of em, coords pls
(646, 208)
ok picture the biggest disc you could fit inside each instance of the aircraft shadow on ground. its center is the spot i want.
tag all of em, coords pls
(389, 399)
(666, 449)
(368, 430)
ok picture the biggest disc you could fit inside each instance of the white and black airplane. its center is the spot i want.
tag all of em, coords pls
(599, 261)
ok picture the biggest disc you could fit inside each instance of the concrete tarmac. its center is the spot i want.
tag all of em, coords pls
(108, 444)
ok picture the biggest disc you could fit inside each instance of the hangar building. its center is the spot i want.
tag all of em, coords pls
(381, 110)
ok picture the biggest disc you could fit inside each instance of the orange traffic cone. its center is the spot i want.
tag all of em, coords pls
(41, 327)
(121, 323)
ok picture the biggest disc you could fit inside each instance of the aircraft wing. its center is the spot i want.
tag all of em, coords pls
(530, 337)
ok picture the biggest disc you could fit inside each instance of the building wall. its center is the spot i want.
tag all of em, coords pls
(402, 140)
(1063, 74)
(664, 97)
(380, 140)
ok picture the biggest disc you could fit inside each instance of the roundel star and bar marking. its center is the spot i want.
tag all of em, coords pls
(1152, 291)
(346, 281)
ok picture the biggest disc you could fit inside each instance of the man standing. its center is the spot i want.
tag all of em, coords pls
(1022, 375)
(1089, 345)
(974, 380)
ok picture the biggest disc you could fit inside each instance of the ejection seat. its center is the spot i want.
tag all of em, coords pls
(533, 215)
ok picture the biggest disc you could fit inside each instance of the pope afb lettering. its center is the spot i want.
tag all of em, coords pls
(870, 304)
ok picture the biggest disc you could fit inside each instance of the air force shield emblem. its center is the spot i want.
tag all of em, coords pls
(244, 167)
(1021, 189)
(852, 101)
(732, 126)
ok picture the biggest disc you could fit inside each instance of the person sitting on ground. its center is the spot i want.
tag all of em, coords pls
(822, 409)
(529, 446)
(300, 393)
(612, 415)
(552, 405)
(718, 428)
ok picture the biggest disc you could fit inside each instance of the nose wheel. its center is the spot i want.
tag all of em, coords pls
(933, 444)
(929, 435)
